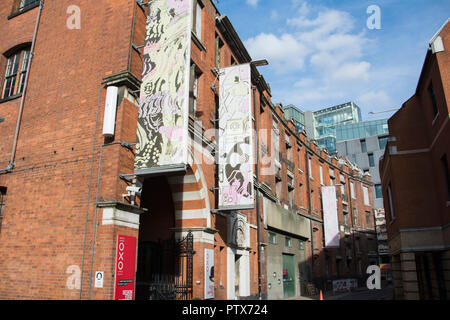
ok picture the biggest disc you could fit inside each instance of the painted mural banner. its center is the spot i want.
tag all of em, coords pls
(162, 130)
(330, 217)
(235, 138)
(209, 274)
(124, 276)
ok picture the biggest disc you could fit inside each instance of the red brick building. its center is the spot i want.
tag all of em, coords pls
(68, 191)
(416, 181)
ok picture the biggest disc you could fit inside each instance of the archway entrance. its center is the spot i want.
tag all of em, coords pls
(165, 268)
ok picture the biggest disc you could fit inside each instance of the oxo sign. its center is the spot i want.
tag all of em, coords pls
(125, 268)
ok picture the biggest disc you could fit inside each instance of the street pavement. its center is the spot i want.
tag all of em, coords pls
(385, 293)
(365, 294)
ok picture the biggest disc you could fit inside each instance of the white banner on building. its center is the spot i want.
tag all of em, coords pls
(235, 138)
(162, 129)
(330, 217)
(209, 274)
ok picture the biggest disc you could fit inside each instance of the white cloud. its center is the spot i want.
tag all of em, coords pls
(285, 53)
(274, 15)
(322, 48)
(353, 71)
(304, 83)
(252, 3)
(375, 101)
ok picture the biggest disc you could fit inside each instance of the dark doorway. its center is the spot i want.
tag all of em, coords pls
(165, 265)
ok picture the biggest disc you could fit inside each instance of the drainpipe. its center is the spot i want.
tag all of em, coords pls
(11, 164)
(133, 27)
(351, 217)
(257, 198)
(308, 192)
(129, 146)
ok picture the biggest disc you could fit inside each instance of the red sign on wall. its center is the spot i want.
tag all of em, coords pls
(125, 268)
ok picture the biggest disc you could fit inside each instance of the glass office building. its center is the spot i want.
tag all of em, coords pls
(326, 120)
(292, 113)
(361, 129)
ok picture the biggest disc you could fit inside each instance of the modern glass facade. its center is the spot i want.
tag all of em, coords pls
(337, 123)
(361, 129)
(327, 119)
(292, 113)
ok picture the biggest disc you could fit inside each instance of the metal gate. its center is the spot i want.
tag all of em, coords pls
(173, 279)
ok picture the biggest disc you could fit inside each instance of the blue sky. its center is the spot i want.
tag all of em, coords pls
(321, 52)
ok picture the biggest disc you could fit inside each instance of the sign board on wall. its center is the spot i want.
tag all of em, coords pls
(344, 284)
(162, 130)
(330, 217)
(209, 274)
(99, 276)
(125, 271)
(235, 138)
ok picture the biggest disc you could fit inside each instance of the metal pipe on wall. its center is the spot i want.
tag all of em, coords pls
(258, 239)
(11, 164)
(308, 192)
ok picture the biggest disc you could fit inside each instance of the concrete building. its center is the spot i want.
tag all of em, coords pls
(363, 143)
(416, 181)
(74, 200)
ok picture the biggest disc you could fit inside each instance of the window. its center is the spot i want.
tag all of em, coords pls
(391, 203)
(289, 157)
(15, 73)
(321, 174)
(24, 5)
(288, 242)
(2, 204)
(382, 141)
(312, 200)
(300, 194)
(346, 222)
(273, 238)
(309, 167)
(371, 160)
(219, 45)
(352, 190)
(363, 146)
(378, 192)
(355, 217)
(278, 186)
(197, 19)
(369, 219)
(433, 99)
(193, 89)
(290, 181)
(444, 162)
(301, 244)
(366, 196)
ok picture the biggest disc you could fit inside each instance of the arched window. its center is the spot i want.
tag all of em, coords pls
(2, 203)
(15, 73)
